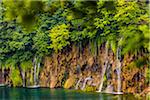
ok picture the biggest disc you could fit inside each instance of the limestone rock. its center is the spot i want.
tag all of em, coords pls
(69, 83)
(53, 82)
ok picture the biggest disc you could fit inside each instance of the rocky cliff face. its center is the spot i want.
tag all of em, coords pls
(70, 68)
(82, 69)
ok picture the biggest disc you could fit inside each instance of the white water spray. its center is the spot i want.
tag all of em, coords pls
(118, 70)
(103, 69)
(84, 83)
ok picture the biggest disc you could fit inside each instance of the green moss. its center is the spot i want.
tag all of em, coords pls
(148, 96)
(26, 65)
(15, 77)
(90, 88)
(141, 62)
(147, 74)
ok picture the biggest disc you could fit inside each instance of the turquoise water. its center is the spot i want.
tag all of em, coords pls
(56, 94)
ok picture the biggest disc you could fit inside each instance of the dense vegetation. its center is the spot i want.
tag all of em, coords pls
(30, 30)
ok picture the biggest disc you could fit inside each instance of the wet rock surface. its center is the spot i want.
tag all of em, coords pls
(70, 66)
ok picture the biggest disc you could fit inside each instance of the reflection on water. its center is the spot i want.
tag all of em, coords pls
(56, 94)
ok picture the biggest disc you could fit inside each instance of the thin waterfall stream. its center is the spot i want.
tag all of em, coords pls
(84, 83)
(38, 70)
(118, 70)
(77, 85)
(109, 88)
(102, 77)
(23, 76)
(35, 83)
(103, 70)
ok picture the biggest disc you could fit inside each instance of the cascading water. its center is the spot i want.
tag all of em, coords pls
(23, 76)
(38, 70)
(34, 61)
(103, 70)
(118, 70)
(77, 85)
(84, 83)
(102, 77)
(109, 89)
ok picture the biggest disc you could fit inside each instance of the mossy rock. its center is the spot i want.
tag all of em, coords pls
(148, 96)
(69, 83)
(15, 77)
(90, 88)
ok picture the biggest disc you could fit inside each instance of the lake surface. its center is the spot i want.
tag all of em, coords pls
(7, 93)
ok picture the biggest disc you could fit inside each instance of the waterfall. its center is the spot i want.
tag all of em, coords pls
(38, 70)
(109, 89)
(104, 69)
(84, 83)
(77, 85)
(35, 73)
(118, 70)
(102, 77)
(34, 61)
(23, 77)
